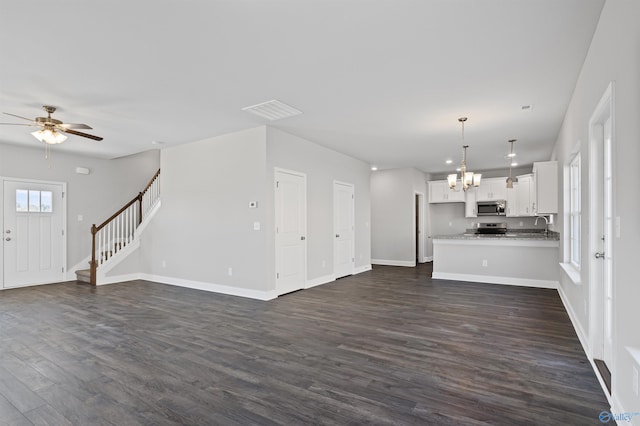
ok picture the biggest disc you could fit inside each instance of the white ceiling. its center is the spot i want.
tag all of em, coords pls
(383, 81)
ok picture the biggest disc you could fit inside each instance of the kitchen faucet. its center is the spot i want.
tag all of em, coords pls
(546, 224)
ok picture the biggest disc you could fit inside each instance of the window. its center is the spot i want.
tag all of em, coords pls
(34, 201)
(574, 212)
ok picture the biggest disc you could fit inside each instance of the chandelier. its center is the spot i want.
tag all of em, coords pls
(466, 178)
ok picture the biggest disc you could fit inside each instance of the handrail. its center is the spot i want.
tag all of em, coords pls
(153, 179)
(116, 214)
(121, 226)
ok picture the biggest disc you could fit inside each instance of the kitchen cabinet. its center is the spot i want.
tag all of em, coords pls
(439, 192)
(492, 189)
(525, 196)
(470, 207)
(521, 198)
(512, 201)
(545, 180)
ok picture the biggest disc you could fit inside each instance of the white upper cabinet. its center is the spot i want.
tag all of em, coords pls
(492, 189)
(521, 198)
(439, 192)
(545, 180)
(512, 201)
(471, 207)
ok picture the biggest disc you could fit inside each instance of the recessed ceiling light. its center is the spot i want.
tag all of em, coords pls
(272, 110)
(513, 164)
(374, 168)
(458, 169)
(449, 161)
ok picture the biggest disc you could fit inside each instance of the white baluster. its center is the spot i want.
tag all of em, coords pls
(99, 248)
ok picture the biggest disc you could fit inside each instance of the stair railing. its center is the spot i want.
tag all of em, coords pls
(119, 230)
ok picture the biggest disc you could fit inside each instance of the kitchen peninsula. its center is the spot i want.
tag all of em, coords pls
(522, 258)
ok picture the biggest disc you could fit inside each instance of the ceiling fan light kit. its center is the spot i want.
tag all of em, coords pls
(49, 136)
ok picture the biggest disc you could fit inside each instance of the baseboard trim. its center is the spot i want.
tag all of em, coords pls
(385, 262)
(361, 269)
(582, 336)
(218, 288)
(584, 341)
(331, 278)
(523, 282)
(117, 279)
(319, 281)
(212, 287)
(428, 259)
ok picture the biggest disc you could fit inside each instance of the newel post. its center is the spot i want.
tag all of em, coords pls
(94, 264)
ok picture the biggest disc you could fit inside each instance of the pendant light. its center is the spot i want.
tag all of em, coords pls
(466, 178)
(510, 156)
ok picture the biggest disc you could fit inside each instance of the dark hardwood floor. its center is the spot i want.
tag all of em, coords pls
(390, 346)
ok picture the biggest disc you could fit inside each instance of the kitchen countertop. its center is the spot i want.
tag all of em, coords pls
(510, 235)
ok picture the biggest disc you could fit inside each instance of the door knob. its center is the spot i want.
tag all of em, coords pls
(8, 239)
(303, 238)
(8, 231)
(599, 255)
(337, 235)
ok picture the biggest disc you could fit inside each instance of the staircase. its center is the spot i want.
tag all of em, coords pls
(113, 238)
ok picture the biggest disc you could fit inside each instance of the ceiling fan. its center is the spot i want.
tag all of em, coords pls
(51, 128)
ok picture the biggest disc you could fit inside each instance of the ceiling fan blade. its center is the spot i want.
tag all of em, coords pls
(19, 116)
(20, 124)
(74, 126)
(84, 135)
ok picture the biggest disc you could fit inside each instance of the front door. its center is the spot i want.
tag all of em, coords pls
(33, 240)
(343, 226)
(291, 228)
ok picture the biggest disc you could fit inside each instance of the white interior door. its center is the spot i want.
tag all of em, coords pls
(343, 226)
(32, 238)
(291, 228)
(607, 234)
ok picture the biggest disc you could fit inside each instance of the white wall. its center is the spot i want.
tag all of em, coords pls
(393, 215)
(322, 166)
(614, 55)
(96, 196)
(205, 226)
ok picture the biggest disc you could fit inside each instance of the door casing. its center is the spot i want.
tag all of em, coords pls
(597, 287)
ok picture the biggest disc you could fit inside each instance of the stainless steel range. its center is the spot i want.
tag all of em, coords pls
(491, 228)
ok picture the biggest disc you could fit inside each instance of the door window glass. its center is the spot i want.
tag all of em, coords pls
(22, 200)
(34, 201)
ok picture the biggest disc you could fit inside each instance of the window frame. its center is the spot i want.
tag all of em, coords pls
(575, 212)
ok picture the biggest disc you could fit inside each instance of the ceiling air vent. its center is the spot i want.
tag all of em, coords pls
(272, 110)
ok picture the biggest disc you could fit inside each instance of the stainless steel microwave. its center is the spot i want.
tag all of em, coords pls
(492, 208)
